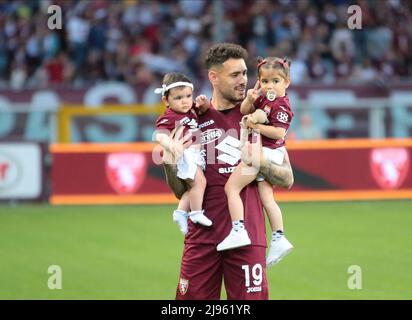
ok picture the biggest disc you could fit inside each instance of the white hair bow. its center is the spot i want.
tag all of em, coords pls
(165, 88)
(161, 90)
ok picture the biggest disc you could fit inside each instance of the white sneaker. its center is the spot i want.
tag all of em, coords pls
(235, 239)
(199, 217)
(180, 217)
(279, 248)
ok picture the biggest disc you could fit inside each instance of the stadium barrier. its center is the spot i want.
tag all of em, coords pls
(77, 123)
(324, 170)
(110, 112)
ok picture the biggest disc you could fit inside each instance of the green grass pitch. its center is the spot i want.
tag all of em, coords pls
(133, 252)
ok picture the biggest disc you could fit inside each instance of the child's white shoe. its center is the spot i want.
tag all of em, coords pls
(279, 248)
(199, 217)
(235, 239)
(180, 217)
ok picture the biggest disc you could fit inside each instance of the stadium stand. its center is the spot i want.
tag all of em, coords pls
(136, 41)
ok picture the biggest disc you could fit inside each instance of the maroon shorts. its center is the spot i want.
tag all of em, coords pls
(202, 270)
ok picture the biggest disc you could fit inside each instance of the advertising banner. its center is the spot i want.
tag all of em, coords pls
(323, 170)
(20, 171)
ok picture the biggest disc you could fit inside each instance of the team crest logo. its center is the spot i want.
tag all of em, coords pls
(126, 171)
(9, 172)
(282, 117)
(389, 166)
(183, 286)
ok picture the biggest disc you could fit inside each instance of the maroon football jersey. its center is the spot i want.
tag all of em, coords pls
(220, 139)
(279, 114)
(171, 119)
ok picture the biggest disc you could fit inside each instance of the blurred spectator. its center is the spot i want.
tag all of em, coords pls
(317, 70)
(18, 76)
(55, 69)
(341, 43)
(306, 130)
(298, 70)
(78, 28)
(365, 73)
(107, 40)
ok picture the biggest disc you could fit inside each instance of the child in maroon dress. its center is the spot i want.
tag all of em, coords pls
(177, 95)
(268, 95)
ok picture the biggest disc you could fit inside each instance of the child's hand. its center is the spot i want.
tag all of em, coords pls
(251, 122)
(253, 94)
(201, 101)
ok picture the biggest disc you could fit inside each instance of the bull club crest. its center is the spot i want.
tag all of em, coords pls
(389, 166)
(183, 286)
(125, 171)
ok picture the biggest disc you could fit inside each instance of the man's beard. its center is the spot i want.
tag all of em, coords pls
(232, 98)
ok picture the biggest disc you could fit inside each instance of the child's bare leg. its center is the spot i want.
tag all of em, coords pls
(238, 236)
(271, 207)
(196, 192)
(184, 203)
(239, 179)
(279, 245)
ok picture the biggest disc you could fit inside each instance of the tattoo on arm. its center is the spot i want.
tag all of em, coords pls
(278, 175)
(178, 186)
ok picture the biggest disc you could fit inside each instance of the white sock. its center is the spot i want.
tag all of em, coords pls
(277, 234)
(183, 213)
(238, 225)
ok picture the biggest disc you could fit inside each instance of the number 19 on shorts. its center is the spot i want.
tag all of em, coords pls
(256, 274)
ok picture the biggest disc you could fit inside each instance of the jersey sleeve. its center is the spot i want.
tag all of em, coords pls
(280, 116)
(165, 124)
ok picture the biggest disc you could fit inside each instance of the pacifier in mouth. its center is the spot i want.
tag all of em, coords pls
(271, 95)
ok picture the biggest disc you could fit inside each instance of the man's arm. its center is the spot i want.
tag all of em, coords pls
(177, 185)
(170, 157)
(278, 175)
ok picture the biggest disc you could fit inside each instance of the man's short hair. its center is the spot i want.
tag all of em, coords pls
(221, 52)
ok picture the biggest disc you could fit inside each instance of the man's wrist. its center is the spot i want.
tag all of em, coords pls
(257, 159)
(168, 158)
(262, 164)
(166, 145)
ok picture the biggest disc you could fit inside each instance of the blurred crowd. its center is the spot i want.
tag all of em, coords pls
(137, 41)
